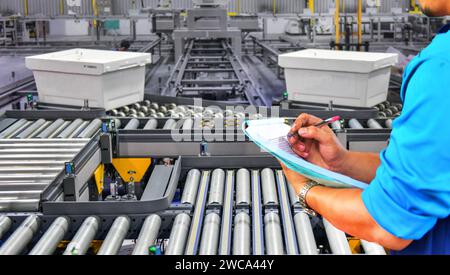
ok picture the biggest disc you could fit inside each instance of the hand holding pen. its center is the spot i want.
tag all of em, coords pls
(315, 143)
(318, 125)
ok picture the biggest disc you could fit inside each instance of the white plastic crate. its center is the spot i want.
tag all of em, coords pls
(357, 79)
(107, 79)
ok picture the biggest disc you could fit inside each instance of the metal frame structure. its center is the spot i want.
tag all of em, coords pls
(214, 58)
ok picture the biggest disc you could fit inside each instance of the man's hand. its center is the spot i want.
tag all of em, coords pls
(319, 146)
(296, 180)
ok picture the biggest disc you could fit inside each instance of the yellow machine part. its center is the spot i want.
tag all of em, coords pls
(355, 245)
(138, 165)
(99, 175)
(94, 8)
(415, 8)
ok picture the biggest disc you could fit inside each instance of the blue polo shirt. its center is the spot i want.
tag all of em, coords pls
(410, 195)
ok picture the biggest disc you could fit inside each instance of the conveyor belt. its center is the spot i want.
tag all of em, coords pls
(28, 166)
(270, 222)
(219, 223)
(153, 116)
(356, 124)
(33, 153)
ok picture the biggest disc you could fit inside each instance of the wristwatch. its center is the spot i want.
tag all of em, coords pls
(302, 197)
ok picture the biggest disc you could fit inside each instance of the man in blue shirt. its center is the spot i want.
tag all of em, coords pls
(406, 207)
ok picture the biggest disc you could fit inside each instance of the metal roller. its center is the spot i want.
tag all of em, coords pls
(188, 123)
(178, 235)
(114, 112)
(290, 240)
(191, 187)
(70, 129)
(336, 125)
(30, 130)
(242, 234)
(115, 237)
(373, 124)
(197, 216)
(151, 124)
(272, 232)
(389, 123)
(163, 109)
(227, 214)
(132, 111)
(147, 236)
(337, 239)
(257, 221)
(216, 187)
(50, 240)
(84, 236)
(293, 195)
(305, 236)
(210, 235)
(59, 129)
(243, 193)
(372, 248)
(13, 128)
(389, 112)
(5, 225)
(146, 103)
(355, 124)
(268, 187)
(91, 129)
(21, 237)
(144, 109)
(78, 129)
(394, 109)
(133, 124)
(170, 124)
(154, 105)
(125, 109)
(47, 132)
(136, 106)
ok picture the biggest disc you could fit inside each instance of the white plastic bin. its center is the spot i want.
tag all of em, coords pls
(107, 79)
(357, 79)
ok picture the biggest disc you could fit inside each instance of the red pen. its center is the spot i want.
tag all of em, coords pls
(323, 123)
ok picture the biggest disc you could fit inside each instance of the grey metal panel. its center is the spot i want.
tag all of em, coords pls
(157, 184)
(137, 149)
(84, 175)
(116, 207)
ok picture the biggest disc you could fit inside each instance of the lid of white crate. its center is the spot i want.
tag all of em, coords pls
(87, 61)
(345, 61)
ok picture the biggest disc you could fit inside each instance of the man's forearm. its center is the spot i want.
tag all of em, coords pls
(360, 166)
(345, 209)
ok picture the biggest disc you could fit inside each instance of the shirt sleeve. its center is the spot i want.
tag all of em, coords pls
(411, 190)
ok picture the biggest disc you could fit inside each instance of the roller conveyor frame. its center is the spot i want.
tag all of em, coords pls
(168, 216)
(245, 154)
(364, 139)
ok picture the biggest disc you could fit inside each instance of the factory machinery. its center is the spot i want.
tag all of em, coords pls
(119, 183)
